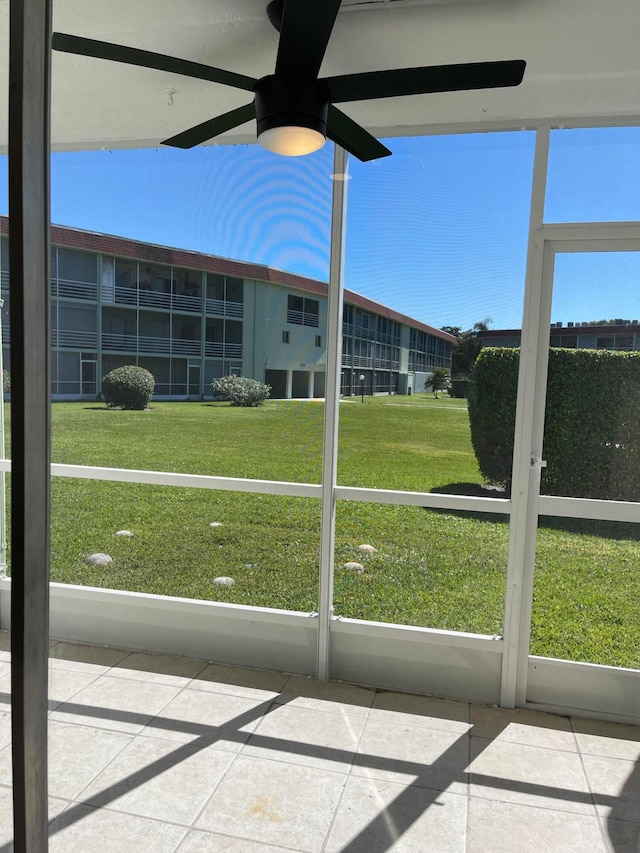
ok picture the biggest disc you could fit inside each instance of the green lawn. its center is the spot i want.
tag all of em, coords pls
(432, 568)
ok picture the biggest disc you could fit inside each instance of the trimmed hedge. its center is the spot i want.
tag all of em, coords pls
(592, 422)
(240, 391)
(128, 387)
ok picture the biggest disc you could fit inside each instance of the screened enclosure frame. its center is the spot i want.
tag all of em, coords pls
(494, 669)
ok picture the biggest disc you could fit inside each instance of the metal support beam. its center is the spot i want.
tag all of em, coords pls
(527, 445)
(29, 109)
(331, 414)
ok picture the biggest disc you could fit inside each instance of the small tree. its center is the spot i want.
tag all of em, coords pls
(128, 387)
(437, 381)
(240, 391)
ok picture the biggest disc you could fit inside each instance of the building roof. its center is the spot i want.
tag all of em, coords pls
(124, 247)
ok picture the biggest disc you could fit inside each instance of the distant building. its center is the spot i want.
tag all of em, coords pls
(620, 335)
(189, 317)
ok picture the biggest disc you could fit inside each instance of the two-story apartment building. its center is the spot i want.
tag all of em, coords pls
(189, 317)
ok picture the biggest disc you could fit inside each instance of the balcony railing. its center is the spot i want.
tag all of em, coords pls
(181, 346)
(121, 343)
(224, 309)
(74, 339)
(367, 334)
(362, 361)
(302, 318)
(154, 299)
(151, 345)
(154, 345)
(74, 289)
(218, 349)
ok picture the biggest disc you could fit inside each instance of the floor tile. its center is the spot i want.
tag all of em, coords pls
(65, 684)
(444, 714)
(305, 736)
(254, 684)
(158, 669)
(5, 691)
(198, 841)
(5, 729)
(622, 836)
(76, 755)
(118, 704)
(331, 696)
(274, 803)
(376, 816)
(529, 775)
(498, 827)
(612, 740)
(413, 755)
(224, 721)
(159, 779)
(6, 816)
(110, 832)
(521, 726)
(616, 786)
(83, 658)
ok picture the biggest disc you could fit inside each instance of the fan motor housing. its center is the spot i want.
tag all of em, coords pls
(295, 101)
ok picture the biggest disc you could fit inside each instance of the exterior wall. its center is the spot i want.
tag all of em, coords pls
(189, 318)
(622, 336)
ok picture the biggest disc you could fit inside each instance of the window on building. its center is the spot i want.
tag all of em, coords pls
(285, 337)
(77, 266)
(303, 311)
(318, 340)
(126, 273)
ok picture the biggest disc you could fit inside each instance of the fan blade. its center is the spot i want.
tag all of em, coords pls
(213, 127)
(147, 59)
(355, 139)
(420, 81)
(305, 30)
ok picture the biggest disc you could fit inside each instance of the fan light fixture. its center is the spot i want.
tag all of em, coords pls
(290, 140)
(294, 108)
(291, 115)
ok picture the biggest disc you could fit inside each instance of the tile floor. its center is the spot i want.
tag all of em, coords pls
(154, 755)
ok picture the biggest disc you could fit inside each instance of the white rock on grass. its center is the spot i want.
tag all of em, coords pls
(98, 560)
(215, 524)
(123, 533)
(369, 549)
(354, 567)
(223, 581)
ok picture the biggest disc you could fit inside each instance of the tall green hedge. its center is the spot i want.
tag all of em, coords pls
(592, 422)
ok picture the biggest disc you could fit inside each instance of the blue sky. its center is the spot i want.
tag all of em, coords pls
(438, 230)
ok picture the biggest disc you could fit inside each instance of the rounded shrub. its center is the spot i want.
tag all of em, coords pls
(128, 387)
(240, 391)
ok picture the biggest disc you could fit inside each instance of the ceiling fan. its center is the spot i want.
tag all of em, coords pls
(294, 108)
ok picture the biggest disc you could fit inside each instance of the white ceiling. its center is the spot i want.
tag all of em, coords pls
(582, 61)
